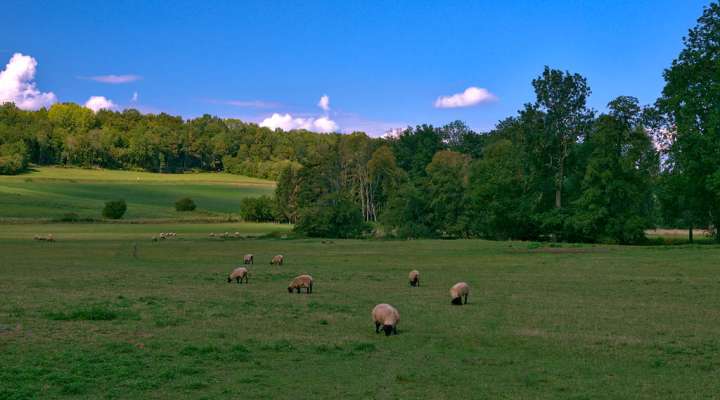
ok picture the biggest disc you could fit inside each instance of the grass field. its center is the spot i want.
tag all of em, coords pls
(49, 193)
(82, 318)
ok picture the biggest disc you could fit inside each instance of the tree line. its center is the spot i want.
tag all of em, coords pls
(556, 170)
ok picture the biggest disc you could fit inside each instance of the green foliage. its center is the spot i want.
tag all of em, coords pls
(334, 216)
(114, 209)
(691, 102)
(13, 158)
(257, 209)
(185, 204)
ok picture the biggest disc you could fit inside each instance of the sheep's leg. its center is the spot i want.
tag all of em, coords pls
(377, 327)
(237, 279)
(466, 299)
(395, 329)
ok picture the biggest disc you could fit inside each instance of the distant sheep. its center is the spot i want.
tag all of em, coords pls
(277, 260)
(386, 316)
(301, 282)
(239, 274)
(248, 259)
(212, 235)
(414, 278)
(458, 291)
(48, 238)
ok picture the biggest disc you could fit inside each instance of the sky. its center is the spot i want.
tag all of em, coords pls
(334, 65)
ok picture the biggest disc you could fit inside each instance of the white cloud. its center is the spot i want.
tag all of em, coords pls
(470, 97)
(17, 84)
(134, 98)
(287, 122)
(113, 79)
(97, 103)
(324, 102)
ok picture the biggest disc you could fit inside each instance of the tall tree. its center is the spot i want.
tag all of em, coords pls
(691, 101)
(562, 97)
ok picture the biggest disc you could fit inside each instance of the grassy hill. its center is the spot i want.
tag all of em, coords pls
(83, 318)
(48, 193)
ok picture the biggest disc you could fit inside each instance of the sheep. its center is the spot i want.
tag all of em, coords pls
(48, 238)
(458, 291)
(248, 259)
(154, 239)
(414, 278)
(239, 274)
(277, 260)
(387, 316)
(302, 281)
(212, 235)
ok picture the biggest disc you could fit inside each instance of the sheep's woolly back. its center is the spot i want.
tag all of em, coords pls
(248, 257)
(459, 289)
(302, 281)
(385, 314)
(239, 272)
(414, 275)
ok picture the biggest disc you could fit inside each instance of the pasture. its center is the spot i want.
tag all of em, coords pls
(49, 193)
(83, 318)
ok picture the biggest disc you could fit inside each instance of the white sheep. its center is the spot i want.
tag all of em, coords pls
(300, 282)
(386, 316)
(277, 260)
(458, 291)
(239, 274)
(414, 278)
(249, 259)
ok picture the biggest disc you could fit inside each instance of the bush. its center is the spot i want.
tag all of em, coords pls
(185, 204)
(114, 209)
(257, 209)
(335, 216)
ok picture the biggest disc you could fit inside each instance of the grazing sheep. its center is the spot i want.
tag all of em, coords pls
(239, 274)
(302, 281)
(277, 260)
(236, 234)
(387, 316)
(414, 278)
(458, 291)
(212, 235)
(48, 238)
(249, 259)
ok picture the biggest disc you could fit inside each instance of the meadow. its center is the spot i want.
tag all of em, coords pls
(48, 193)
(83, 318)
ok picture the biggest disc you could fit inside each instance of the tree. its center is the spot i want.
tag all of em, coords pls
(691, 101)
(617, 197)
(561, 97)
(114, 209)
(334, 216)
(185, 204)
(257, 209)
(447, 181)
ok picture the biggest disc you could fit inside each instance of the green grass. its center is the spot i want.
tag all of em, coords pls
(82, 318)
(49, 193)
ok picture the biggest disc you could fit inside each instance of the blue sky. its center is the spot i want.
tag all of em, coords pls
(382, 64)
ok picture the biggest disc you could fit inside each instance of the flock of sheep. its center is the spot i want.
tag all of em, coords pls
(383, 315)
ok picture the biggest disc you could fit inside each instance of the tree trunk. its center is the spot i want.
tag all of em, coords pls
(690, 233)
(559, 185)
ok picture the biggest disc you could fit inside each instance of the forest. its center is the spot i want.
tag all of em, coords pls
(557, 170)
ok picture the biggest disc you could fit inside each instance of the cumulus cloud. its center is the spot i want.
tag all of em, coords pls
(134, 98)
(97, 103)
(17, 84)
(113, 79)
(288, 122)
(470, 97)
(324, 103)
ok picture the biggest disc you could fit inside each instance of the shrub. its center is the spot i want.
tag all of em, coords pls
(185, 204)
(257, 209)
(114, 209)
(334, 216)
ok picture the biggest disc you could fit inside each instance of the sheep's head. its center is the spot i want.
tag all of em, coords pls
(457, 300)
(290, 289)
(387, 329)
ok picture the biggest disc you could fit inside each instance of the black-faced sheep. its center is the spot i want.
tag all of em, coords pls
(238, 274)
(300, 282)
(386, 316)
(277, 260)
(414, 278)
(248, 259)
(458, 291)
